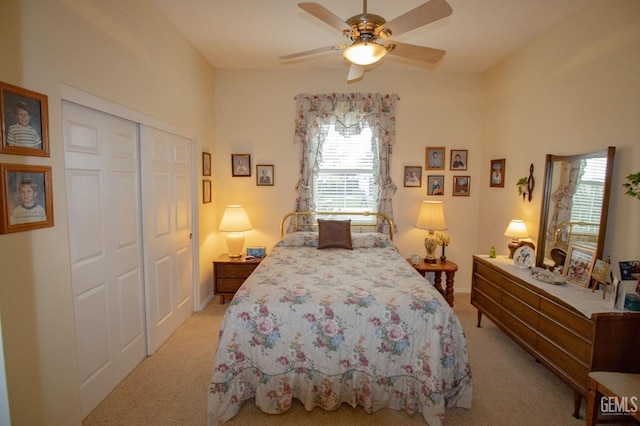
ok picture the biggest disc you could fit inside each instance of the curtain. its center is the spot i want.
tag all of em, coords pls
(348, 113)
(570, 176)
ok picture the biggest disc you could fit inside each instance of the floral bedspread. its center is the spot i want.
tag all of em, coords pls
(331, 326)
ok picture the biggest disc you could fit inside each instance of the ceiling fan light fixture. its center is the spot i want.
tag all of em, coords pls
(364, 53)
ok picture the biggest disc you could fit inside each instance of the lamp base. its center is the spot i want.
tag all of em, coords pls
(430, 260)
(513, 245)
(235, 243)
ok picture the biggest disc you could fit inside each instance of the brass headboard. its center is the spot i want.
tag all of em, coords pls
(297, 215)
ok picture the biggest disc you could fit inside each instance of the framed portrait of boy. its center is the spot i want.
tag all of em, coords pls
(264, 175)
(459, 158)
(241, 165)
(497, 173)
(435, 158)
(413, 176)
(26, 198)
(436, 185)
(25, 121)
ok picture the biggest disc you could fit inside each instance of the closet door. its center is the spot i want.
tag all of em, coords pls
(167, 212)
(104, 210)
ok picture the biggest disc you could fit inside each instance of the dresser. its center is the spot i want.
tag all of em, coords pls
(569, 329)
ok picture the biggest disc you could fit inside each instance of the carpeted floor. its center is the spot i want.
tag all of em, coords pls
(170, 387)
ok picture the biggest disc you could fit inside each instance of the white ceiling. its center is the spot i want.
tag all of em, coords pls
(252, 34)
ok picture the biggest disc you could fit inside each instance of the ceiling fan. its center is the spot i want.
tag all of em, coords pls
(368, 35)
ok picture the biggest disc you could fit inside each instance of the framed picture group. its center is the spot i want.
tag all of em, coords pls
(26, 192)
(436, 159)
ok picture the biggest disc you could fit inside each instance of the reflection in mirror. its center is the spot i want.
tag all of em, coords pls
(575, 204)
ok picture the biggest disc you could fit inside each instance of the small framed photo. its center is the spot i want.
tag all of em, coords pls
(264, 175)
(25, 121)
(497, 173)
(241, 165)
(436, 185)
(579, 263)
(461, 186)
(206, 191)
(413, 176)
(26, 198)
(459, 158)
(435, 158)
(628, 268)
(206, 164)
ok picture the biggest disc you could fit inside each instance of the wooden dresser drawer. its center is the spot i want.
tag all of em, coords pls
(569, 318)
(565, 338)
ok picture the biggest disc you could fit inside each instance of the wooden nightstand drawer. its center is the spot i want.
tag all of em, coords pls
(229, 274)
(235, 270)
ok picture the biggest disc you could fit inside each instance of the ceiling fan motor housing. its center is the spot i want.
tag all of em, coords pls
(364, 27)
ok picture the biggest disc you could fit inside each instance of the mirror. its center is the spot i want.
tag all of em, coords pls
(575, 203)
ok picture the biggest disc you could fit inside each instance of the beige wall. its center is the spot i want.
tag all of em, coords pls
(123, 51)
(575, 89)
(570, 90)
(254, 115)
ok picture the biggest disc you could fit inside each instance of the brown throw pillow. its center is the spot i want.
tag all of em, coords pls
(334, 234)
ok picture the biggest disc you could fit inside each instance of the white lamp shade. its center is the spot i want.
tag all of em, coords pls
(516, 229)
(431, 217)
(364, 53)
(235, 219)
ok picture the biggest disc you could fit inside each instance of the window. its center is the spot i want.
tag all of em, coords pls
(587, 201)
(345, 180)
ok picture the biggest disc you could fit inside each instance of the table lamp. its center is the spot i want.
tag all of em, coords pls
(431, 219)
(235, 221)
(516, 230)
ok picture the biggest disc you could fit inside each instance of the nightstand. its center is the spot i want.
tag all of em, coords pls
(229, 274)
(449, 269)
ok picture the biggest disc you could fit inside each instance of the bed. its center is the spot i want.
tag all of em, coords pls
(333, 325)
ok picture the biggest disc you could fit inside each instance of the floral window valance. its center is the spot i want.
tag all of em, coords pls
(348, 113)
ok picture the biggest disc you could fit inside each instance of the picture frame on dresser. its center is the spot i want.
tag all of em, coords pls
(579, 264)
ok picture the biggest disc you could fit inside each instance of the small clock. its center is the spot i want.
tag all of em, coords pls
(415, 259)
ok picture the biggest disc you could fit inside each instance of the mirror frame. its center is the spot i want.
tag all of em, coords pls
(551, 159)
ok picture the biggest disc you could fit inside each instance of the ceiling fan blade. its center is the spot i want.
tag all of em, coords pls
(355, 72)
(313, 51)
(418, 53)
(323, 14)
(429, 12)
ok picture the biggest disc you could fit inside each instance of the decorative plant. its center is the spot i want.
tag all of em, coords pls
(633, 186)
(522, 186)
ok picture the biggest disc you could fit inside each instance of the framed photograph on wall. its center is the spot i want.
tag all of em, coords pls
(435, 185)
(26, 197)
(413, 176)
(497, 173)
(206, 191)
(241, 165)
(264, 175)
(206, 164)
(25, 121)
(435, 158)
(461, 186)
(459, 158)
(579, 263)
